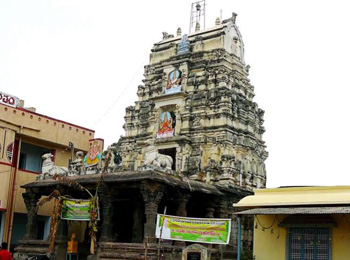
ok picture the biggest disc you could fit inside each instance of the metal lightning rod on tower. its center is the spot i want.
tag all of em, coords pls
(197, 18)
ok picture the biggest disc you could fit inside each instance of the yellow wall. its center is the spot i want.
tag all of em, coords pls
(27, 177)
(7, 136)
(44, 128)
(40, 130)
(267, 245)
(62, 157)
(23, 177)
(341, 237)
(5, 172)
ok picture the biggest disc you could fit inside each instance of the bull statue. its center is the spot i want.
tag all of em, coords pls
(48, 169)
(153, 158)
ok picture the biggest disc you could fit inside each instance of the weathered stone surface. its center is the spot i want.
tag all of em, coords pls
(193, 145)
(28, 248)
(214, 110)
(30, 200)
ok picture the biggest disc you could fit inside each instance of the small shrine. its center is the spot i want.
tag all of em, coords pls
(193, 145)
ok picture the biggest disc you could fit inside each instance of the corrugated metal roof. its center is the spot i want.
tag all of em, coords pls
(296, 210)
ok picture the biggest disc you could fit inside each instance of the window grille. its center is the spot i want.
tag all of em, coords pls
(309, 244)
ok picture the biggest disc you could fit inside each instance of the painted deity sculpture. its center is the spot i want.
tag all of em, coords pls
(174, 82)
(166, 128)
(93, 158)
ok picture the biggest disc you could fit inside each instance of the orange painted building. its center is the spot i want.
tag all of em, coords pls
(24, 137)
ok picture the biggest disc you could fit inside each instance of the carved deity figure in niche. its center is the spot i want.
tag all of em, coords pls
(166, 125)
(184, 45)
(174, 82)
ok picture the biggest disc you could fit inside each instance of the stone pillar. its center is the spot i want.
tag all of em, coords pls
(181, 211)
(234, 225)
(221, 210)
(31, 199)
(62, 231)
(247, 231)
(61, 240)
(152, 195)
(182, 200)
(209, 211)
(107, 230)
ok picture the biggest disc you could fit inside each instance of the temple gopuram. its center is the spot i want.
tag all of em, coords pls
(193, 146)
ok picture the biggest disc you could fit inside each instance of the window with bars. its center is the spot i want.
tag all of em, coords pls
(309, 244)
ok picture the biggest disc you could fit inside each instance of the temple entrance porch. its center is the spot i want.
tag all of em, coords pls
(129, 203)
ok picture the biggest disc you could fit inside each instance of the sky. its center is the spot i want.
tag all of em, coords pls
(82, 61)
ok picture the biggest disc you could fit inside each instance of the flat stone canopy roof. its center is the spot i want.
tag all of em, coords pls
(136, 176)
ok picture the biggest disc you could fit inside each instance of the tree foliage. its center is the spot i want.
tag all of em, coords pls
(247, 254)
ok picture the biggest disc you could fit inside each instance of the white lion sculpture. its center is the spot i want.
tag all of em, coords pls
(48, 169)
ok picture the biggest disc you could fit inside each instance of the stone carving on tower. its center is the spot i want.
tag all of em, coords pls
(195, 115)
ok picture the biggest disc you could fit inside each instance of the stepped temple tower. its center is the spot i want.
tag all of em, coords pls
(196, 106)
(192, 146)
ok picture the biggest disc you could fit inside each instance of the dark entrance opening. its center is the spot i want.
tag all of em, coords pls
(172, 153)
(123, 216)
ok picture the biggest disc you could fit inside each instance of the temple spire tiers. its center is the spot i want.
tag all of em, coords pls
(193, 143)
(196, 118)
(196, 88)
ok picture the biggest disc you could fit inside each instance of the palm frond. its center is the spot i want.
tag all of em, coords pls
(54, 195)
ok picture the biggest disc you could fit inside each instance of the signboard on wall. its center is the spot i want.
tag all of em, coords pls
(8, 100)
(200, 230)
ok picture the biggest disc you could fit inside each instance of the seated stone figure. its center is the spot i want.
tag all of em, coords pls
(112, 166)
(77, 165)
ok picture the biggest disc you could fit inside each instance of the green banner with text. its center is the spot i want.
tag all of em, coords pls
(200, 230)
(76, 209)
